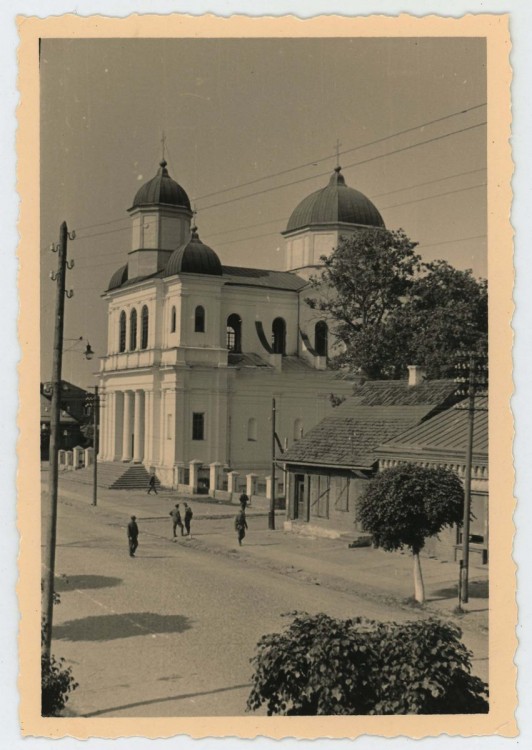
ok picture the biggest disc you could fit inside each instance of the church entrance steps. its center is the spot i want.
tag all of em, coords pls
(115, 475)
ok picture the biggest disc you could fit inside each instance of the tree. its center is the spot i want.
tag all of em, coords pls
(445, 312)
(323, 666)
(363, 281)
(405, 505)
(56, 678)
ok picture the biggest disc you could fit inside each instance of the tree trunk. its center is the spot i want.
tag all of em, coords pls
(419, 588)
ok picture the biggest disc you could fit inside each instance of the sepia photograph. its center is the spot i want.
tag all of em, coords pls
(265, 393)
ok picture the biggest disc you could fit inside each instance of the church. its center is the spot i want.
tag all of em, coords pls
(197, 350)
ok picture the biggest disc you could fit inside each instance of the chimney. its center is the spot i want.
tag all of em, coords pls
(416, 375)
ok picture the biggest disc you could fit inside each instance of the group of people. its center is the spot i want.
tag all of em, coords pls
(241, 524)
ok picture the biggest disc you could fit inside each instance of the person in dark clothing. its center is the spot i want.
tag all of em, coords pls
(244, 501)
(133, 535)
(152, 484)
(241, 525)
(176, 520)
(188, 518)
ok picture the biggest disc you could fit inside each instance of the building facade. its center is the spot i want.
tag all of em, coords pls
(198, 350)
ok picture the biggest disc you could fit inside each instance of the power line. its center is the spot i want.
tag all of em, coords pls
(342, 153)
(353, 164)
(448, 242)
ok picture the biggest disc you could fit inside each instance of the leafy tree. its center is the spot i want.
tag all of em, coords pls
(320, 665)
(363, 281)
(403, 506)
(56, 679)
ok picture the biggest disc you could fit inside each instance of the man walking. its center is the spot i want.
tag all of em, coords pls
(188, 519)
(241, 525)
(176, 520)
(133, 536)
(244, 501)
(152, 484)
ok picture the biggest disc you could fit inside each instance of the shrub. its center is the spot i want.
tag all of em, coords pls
(56, 683)
(323, 666)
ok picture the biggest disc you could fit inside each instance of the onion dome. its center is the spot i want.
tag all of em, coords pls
(118, 278)
(194, 257)
(335, 204)
(161, 189)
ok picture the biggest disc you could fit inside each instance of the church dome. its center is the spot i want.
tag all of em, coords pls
(118, 278)
(195, 257)
(334, 204)
(161, 189)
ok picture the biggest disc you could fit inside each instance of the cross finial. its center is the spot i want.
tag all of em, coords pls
(338, 144)
(163, 144)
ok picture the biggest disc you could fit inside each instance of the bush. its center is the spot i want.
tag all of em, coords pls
(323, 666)
(56, 683)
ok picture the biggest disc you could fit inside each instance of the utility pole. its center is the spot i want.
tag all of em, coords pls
(271, 514)
(50, 538)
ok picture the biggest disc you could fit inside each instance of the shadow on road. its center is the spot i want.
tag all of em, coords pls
(110, 627)
(182, 696)
(71, 583)
(477, 589)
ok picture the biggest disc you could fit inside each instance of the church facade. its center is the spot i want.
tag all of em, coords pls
(197, 350)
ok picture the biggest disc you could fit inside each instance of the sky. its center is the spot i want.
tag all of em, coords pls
(239, 111)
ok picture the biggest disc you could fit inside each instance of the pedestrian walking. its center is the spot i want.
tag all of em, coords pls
(152, 485)
(188, 519)
(244, 501)
(241, 525)
(133, 536)
(176, 520)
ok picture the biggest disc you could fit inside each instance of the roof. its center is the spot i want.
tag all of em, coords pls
(46, 412)
(444, 435)
(238, 276)
(377, 412)
(236, 359)
(194, 257)
(336, 203)
(161, 190)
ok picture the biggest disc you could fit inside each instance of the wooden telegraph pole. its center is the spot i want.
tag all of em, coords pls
(50, 538)
(271, 514)
(95, 400)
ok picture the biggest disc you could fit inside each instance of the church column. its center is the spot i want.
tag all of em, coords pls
(148, 426)
(110, 408)
(103, 419)
(138, 429)
(126, 430)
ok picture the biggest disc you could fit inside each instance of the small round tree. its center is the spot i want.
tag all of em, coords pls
(404, 506)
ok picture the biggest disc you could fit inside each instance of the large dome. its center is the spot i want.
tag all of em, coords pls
(337, 203)
(161, 189)
(195, 257)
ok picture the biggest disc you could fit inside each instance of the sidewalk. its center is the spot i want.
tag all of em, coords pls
(372, 573)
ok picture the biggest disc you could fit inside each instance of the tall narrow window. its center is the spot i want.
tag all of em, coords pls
(234, 333)
(133, 330)
(321, 338)
(298, 429)
(252, 429)
(199, 319)
(198, 426)
(122, 332)
(173, 320)
(279, 336)
(144, 316)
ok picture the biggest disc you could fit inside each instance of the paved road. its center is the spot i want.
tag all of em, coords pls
(171, 632)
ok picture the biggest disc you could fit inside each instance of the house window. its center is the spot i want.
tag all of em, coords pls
(298, 429)
(133, 330)
(173, 320)
(144, 316)
(234, 333)
(320, 338)
(199, 319)
(198, 426)
(122, 333)
(252, 429)
(279, 336)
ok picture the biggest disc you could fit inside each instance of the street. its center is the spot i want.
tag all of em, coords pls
(171, 631)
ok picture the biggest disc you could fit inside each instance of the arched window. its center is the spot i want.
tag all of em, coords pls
(321, 338)
(133, 330)
(122, 332)
(173, 320)
(199, 319)
(298, 429)
(252, 429)
(279, 336)
(144, 317)
(234, 333)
